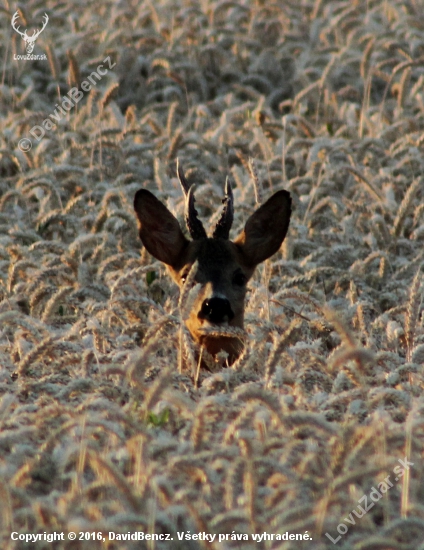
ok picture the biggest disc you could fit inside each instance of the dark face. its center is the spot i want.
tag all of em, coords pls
(221, 276)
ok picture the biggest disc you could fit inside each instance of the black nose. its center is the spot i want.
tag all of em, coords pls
(216, 310)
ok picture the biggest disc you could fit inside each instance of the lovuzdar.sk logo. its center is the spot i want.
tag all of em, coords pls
(29, 40)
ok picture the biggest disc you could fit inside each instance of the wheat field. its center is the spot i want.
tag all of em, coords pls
(106, 424)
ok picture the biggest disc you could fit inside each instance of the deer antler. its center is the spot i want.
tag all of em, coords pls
(223, 226)
(14, 18)
(37, 33)
(184, 183)
(194, 225)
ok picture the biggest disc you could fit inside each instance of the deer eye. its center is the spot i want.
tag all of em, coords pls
(239, 278)
(184, 275)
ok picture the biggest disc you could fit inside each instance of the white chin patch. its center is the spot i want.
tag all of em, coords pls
(207, 324)
(223, 324)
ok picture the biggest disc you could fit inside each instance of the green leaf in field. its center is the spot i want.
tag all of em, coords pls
(158, 420)
(150, 277)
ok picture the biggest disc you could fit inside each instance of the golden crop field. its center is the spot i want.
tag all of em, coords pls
(107, 425)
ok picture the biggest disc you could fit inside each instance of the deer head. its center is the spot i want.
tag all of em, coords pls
(223, 267)
(30, 40)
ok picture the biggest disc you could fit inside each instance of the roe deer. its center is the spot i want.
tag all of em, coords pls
(223, 266)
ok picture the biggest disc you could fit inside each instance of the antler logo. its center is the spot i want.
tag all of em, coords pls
(30, 40)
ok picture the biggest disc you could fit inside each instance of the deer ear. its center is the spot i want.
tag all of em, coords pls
(265, 229)
(159, 230)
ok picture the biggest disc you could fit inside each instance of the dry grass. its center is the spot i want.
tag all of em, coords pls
(106, 425)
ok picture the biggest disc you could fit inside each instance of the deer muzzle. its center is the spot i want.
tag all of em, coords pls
(216, 310)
